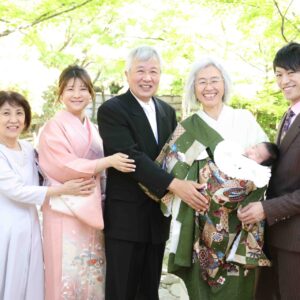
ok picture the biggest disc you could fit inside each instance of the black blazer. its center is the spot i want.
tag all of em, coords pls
(129, 213)
(282, 207)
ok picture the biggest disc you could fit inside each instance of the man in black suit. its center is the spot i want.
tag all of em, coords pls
(138, 124)
(282, 208)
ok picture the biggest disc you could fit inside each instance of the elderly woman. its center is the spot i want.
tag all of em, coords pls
(21, 259)
(200, 246)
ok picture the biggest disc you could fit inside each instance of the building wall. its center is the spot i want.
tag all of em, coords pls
(174, 101)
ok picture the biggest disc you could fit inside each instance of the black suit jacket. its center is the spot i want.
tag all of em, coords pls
(129, 213)
(282, 207)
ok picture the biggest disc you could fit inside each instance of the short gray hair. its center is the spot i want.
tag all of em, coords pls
(142, 53)
(190, 97)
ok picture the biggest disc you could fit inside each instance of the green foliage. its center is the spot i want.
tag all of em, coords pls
(18, 89)
(97, 35)
(268, 108)
(50, 107)
(177, 86)
(115, 87)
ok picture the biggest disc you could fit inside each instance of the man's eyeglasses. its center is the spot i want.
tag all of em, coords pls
(214, 81)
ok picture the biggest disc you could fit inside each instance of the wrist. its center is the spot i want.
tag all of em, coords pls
(56, 190)
(172, 185)
(108, 162)
(103, 163)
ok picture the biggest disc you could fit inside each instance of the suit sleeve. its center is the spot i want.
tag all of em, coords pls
(118, 135)
(282, 207)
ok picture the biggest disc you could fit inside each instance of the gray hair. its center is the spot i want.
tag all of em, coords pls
(142, 53)
(190, 97)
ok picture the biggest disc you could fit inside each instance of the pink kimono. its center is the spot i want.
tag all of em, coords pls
(73, 242)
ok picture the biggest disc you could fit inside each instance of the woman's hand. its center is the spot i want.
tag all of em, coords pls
(76, 187)
(121, 162)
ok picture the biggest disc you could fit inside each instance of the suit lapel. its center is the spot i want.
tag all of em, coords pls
(140, 120)
(160, 116)
(290, 136)
(280, 129)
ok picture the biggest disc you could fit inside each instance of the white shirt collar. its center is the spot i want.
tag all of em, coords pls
(149, 109)
(144, 105)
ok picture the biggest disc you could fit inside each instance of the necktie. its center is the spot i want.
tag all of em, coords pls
(287, 123)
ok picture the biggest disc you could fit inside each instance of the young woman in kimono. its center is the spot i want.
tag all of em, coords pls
(70, 147)
(21, 258)
(208, 85)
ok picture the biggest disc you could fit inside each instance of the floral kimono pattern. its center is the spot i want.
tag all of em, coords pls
(215, 248)
(210, 249)
(73, 241)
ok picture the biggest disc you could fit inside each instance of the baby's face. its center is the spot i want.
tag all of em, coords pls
(258, 153)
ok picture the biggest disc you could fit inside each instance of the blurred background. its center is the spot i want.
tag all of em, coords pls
(39, 38)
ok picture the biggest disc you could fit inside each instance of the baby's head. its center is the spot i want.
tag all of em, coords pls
(264, 153)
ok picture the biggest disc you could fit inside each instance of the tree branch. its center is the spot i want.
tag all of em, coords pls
(44, 17)
(4, 21)
(97, 76)
(283, 18)
(147, 38)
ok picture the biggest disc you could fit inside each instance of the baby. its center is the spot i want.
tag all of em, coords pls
(264, 153)
(231, 175)
(247, 164)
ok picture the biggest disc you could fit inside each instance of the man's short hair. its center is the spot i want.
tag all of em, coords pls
(142, 53)
(288, 57)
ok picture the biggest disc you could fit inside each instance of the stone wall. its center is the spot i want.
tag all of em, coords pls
(174, 101)
(171, 287)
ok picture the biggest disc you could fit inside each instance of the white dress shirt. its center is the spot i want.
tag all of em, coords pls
(149, 109)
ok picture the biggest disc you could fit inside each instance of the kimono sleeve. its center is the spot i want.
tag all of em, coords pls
(13, 188)
(57, 157)
(254, 132)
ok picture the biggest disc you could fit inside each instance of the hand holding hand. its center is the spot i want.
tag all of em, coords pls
(122, 163)
(188, 191)
(252, 213)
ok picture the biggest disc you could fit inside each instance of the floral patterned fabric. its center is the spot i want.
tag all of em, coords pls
(201, 244)
(83, 267)
(219, 227)
(73, 249)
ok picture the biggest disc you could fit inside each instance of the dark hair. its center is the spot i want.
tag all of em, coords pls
(74, 71)
(16, 99)
(288, 57)
(274, 154)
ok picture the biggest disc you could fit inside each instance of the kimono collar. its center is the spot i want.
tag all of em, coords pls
(79, 135)
(224, 117)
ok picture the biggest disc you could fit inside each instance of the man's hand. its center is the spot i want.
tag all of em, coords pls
(252, 213)
(188, 191)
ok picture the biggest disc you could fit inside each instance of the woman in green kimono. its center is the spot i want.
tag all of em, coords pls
(186, 156)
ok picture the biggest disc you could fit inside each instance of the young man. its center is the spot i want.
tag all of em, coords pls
(138, 124)
(282, 208)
